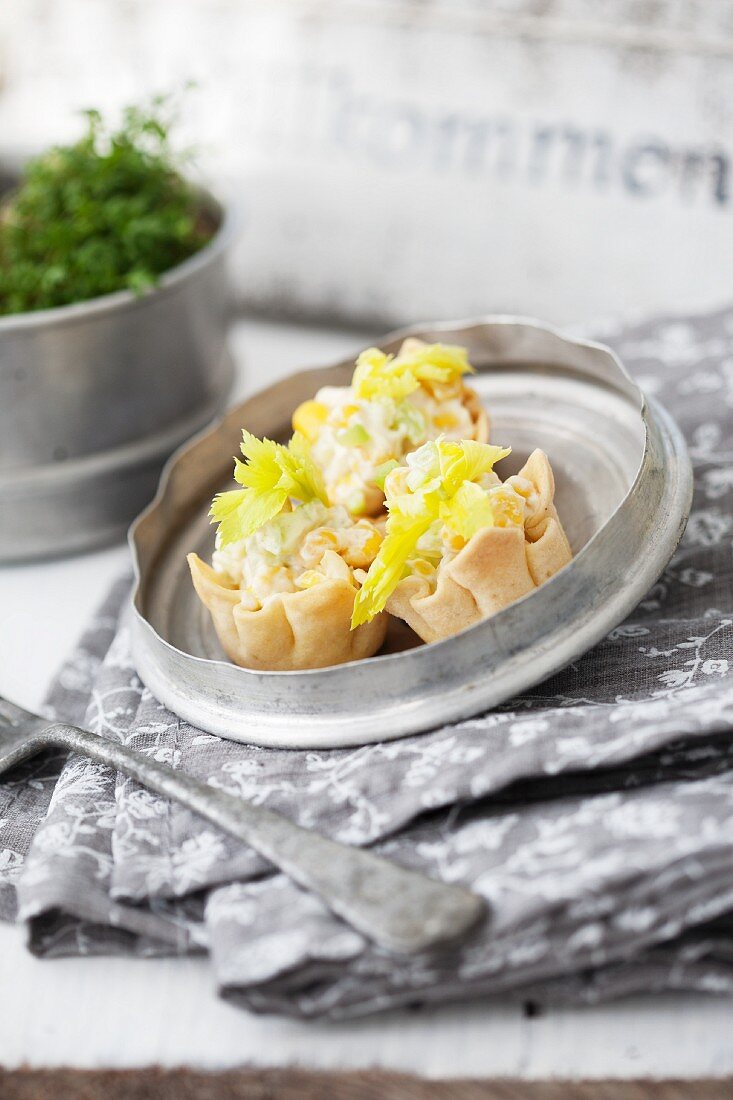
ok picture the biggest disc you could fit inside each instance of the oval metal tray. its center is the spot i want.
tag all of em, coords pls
(623, 490)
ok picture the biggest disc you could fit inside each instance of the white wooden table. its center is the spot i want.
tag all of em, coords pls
(123, 1012)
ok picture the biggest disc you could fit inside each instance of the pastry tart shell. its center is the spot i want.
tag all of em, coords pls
(496, 567)
(293, 630)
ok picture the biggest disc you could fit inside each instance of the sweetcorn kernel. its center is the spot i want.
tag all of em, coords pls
(452, 540)
(325, 535)
(309, 578)
(422, 568)
(527, 492)
(507, 507)
(334, 566)
(443, 391)
(370, 548)
(445, 420)
(520, 485)
(316, 543)
(360, 545)
(309, 418)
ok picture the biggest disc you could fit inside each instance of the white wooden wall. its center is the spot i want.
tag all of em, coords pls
(405, 160)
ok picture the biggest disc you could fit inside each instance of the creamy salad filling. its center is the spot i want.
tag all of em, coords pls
(355, 430)
(298, 548)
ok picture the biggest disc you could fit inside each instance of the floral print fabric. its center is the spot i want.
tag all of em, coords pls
(594, 813)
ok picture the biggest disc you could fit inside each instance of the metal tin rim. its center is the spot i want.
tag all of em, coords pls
(116, 459)
(457, 686)
(137, 463)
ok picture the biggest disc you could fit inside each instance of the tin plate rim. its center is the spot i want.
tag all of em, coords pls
(222, 704)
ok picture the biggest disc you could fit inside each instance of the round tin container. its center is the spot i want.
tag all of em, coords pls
(623, 491)
(95, 396)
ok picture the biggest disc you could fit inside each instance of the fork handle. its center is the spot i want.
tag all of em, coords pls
(400, 910)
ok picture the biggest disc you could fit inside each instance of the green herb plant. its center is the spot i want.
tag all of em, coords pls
(110, 212)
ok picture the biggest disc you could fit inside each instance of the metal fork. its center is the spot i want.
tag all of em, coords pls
(399, 909)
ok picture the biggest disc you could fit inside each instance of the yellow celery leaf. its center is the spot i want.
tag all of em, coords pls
(270, 476)
(263, 468)
(413, 505)
(387, 569)
(437, 362)
(449, 463)
(467, 511)
(384, 376)
(481, 457)
(468, 461)
(271, 465)
(379, 376)
(241, 512)
(307, 478)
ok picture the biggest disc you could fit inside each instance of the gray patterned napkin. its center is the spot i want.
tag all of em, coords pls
(594, 813)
